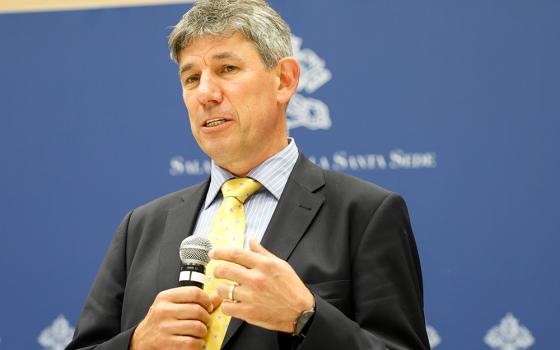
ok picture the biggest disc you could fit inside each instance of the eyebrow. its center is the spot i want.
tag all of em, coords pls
(219, 56)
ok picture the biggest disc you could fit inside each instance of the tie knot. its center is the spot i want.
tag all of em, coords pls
(241, 188)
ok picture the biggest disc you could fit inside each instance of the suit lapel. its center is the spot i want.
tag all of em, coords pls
(179, 224)
(294, 213)
(296, 209)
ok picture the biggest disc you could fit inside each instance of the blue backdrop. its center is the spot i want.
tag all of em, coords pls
(454, 104)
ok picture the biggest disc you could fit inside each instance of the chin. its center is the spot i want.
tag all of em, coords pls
(219, 154)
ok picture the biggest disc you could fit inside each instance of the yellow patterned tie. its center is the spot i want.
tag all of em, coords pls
(227, 230)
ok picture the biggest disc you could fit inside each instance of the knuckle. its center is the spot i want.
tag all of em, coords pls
(163, 295)
(192, 343)
(196, 295)
(285, 264)
(220, 269)
(198, 312)
(165, 327)
(158, 308)
(259, 280)
(236, 253)
(200, 329)
(193, 293)
(269, 264)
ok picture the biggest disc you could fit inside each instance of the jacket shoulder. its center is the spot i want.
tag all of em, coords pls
(345, 187)
(162, 204)
(354, 185)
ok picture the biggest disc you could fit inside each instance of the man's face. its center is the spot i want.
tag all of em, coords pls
(232, 99)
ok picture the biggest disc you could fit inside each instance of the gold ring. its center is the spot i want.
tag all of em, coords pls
(230, 292)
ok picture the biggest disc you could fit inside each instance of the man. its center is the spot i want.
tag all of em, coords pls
(329, 262)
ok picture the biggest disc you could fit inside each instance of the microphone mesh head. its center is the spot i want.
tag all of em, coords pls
(194, 250)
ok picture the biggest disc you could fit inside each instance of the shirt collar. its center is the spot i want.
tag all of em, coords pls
(273, 173)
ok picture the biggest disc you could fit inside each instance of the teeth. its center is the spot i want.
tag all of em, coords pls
(215, 122)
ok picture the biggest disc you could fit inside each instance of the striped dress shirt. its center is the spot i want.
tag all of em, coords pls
(272, 174)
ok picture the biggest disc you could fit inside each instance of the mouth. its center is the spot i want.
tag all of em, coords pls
(214, 122)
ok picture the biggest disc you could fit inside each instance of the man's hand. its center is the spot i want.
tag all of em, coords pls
(269, 293)
(176, 320)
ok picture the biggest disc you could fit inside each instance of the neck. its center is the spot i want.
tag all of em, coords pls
(242, 167)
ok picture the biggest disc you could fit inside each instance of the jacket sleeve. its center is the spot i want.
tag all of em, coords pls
(99, 326)
(386, 287)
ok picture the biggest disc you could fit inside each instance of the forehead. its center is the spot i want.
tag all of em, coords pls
(215, 47)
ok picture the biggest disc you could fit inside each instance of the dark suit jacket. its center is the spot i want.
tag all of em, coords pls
(350, 241)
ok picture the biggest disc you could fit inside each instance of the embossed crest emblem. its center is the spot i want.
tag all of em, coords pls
(57, 335)
(303, 110)
(509, 335)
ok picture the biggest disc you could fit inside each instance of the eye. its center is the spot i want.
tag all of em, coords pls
(229, 69)
(190, 80)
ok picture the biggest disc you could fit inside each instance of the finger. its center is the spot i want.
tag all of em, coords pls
(232, 272)
(238, 256)
(186, 295)
(224, 290)
(216, 301)
(166, 310)
(243, 311)
(191, 328)
(238, 310)
(193, 312)
(256, 247)
(187, 342)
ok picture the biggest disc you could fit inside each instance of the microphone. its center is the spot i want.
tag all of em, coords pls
(194, 257)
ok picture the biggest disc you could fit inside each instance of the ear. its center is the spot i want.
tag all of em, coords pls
(288, 69)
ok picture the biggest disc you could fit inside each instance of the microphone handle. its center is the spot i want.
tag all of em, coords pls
(192, 275)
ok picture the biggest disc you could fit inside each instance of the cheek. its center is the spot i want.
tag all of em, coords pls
(263, 100)
(192, 124)
(187, 101)
(192, 121)
(191, 108)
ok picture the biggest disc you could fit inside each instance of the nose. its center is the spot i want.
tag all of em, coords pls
(208, 91)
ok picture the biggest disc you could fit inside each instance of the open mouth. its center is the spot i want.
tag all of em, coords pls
(214, 122)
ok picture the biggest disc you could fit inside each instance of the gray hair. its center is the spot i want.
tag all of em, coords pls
(254, 19)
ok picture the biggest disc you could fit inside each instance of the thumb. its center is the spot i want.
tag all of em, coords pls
(215, 301)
